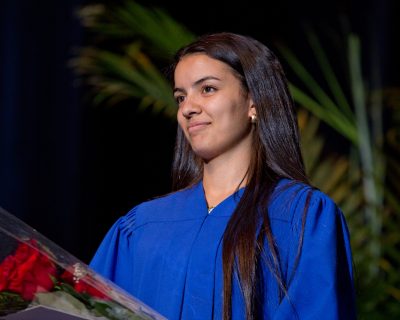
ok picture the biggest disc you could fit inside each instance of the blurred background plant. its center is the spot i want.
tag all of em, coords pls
(131, 45)
(365, 179)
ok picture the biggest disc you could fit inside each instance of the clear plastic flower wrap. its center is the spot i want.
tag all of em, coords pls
(40, 280)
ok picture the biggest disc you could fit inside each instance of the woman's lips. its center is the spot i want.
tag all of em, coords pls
(197, 126)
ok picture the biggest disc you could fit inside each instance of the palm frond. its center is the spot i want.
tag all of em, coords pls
(145, 39)
(358, 180)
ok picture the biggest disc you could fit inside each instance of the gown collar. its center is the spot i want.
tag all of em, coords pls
(224, 208)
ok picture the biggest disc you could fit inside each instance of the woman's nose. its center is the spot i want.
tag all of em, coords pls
(191, 106)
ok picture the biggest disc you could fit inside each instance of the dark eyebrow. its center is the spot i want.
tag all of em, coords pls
(197, 82)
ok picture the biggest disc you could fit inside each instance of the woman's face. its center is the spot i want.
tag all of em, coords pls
(214, 110)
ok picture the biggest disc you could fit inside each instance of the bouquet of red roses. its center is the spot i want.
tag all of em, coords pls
(29, 277)
(37, 273)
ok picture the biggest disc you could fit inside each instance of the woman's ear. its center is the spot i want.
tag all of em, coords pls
(252, 109)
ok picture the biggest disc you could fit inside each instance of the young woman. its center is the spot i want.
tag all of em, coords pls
(244, 235)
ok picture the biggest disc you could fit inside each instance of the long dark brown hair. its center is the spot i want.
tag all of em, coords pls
(276, 155)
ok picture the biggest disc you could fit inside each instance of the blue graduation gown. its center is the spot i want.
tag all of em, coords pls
(167, 252)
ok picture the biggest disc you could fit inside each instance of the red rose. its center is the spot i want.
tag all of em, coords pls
(27, 271)
(67, 276)
(6, 269)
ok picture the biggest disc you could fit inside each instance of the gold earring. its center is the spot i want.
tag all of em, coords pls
(253, 118)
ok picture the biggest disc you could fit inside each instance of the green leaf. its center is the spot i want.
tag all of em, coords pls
(336, 120)
(11, 302)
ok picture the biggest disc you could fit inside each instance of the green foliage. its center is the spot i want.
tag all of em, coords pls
(11, 301)
(363, 178)
(358, 180)
(126, 71)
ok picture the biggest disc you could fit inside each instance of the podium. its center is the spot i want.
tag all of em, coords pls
(41, 281)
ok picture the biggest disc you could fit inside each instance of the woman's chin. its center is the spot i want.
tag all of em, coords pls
(205, 154)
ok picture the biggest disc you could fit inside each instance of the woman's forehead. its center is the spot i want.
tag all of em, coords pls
(196, 66)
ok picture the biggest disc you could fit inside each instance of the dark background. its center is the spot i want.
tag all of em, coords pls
(69, 169)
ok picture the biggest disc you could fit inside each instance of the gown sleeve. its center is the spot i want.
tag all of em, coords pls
(114, 257)
(322, 284)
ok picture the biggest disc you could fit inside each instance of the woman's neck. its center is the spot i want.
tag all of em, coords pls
(222, 177)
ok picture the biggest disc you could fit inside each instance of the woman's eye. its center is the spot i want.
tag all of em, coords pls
(179, 99)
(208, 89)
